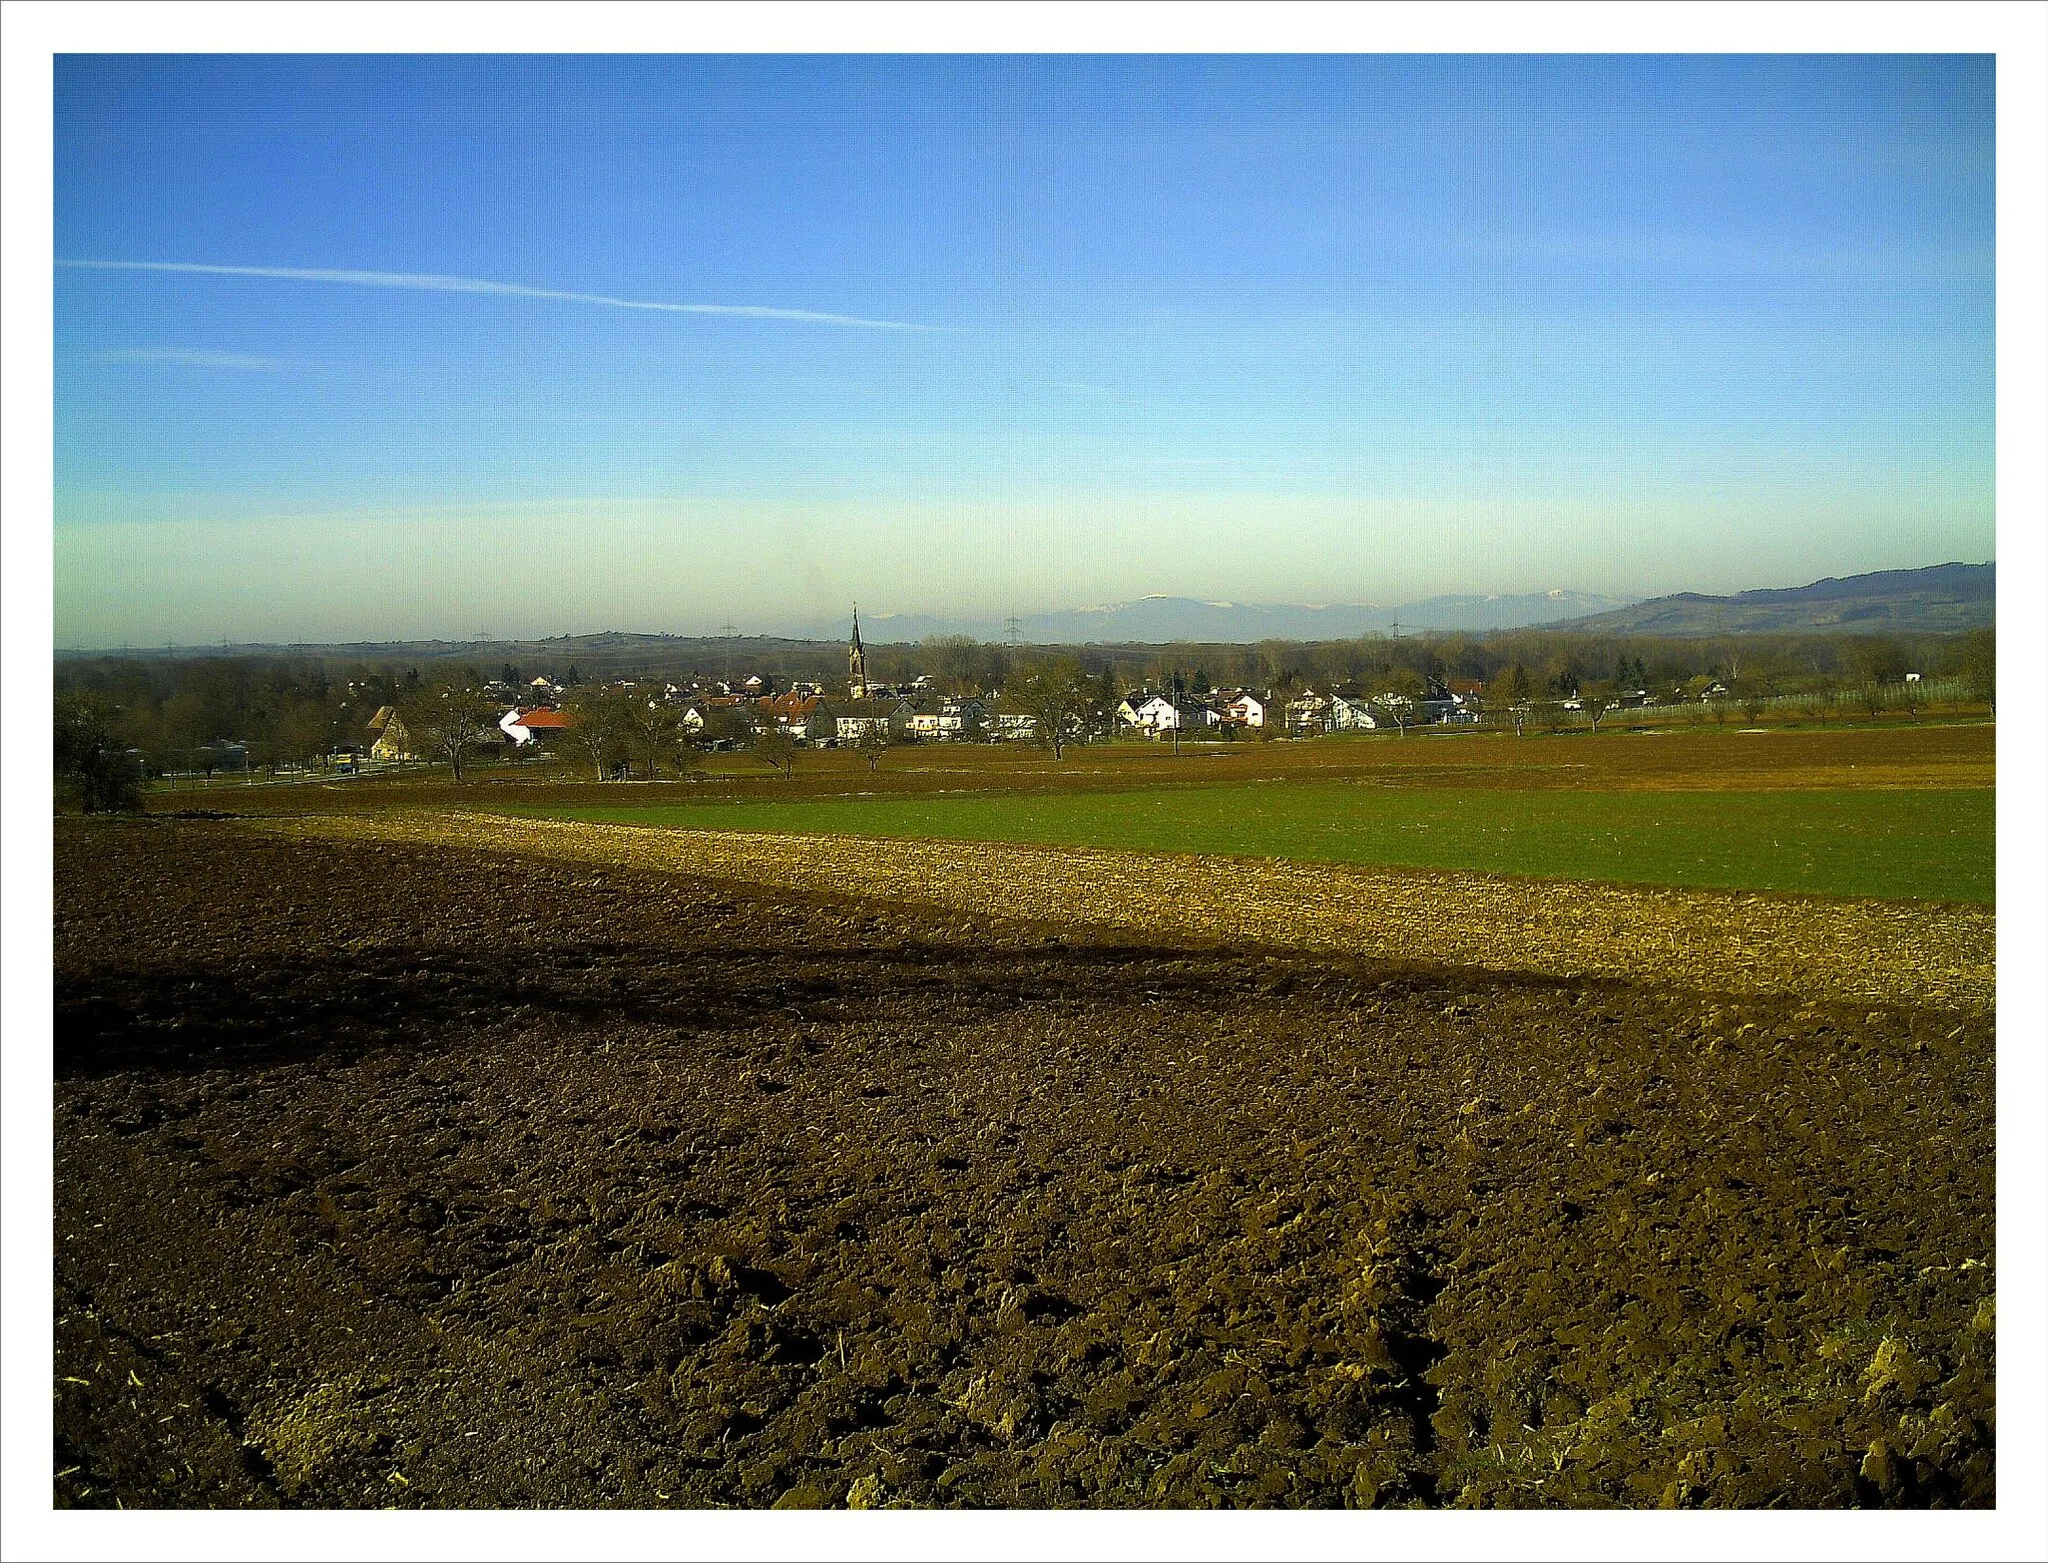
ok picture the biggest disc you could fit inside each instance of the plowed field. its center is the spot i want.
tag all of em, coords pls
(1713, 940)
(429, 1172)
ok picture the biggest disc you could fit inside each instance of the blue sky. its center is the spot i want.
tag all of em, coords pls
(1263, 328)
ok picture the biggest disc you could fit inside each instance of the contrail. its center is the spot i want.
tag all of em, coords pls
(429, 282)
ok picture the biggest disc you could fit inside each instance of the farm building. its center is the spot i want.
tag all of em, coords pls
(534, 725)
(391, 741)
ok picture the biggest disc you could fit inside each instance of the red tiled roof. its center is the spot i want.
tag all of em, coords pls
(544, 720)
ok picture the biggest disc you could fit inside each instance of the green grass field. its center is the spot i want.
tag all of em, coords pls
(1918, 844)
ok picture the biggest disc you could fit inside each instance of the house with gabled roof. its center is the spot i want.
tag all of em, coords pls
(806, 717)
(1157, 714)
(891, 716)
(392, 741)
(947, 719)
(534, 725)
(1240, 708)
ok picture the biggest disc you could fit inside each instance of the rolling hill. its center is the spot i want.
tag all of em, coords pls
(1940, 599)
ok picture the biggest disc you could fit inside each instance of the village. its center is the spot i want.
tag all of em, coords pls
(298, 717)
(717, 715)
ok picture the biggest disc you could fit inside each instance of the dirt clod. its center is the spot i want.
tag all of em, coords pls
(410, 1174)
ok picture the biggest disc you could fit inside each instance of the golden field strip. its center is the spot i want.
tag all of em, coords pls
(1715, 941)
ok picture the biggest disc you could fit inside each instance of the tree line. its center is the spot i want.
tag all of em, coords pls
(156, 716)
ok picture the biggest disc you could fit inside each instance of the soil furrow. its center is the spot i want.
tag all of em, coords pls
(441, 1177)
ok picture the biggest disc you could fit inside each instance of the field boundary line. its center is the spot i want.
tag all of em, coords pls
(1713, 940)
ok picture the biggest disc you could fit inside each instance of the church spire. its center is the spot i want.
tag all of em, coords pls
(856, 662)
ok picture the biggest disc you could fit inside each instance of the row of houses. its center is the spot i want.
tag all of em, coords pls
(809, 717)
(1155, 715)
(1445, 704)
(738, 709)
(1226, 712)
(806, 717)
(903, 718)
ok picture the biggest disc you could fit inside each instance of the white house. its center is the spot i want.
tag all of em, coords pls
(1159, 715)
(525, 725)
(1154, 714)
(953, 719)
(1246, 709)
(1349, 716)
(893, 718)
(1308, 712)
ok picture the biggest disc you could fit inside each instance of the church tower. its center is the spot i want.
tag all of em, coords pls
(856, 663)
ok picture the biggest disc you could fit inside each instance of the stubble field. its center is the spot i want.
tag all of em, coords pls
(411, 1160)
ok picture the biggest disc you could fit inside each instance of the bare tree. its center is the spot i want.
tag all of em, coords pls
(657, 737)
(1510, 695)
(452, 723)
(1404, 688)
(1060, 700)
(873, 743)
(776, 750)
(961, 664)
(306, 732)
(604, 727)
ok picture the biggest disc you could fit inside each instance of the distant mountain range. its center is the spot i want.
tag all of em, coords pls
(1940, 599)
(1160, 620)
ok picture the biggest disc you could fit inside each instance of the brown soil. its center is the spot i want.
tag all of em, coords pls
(399, 1174)
(1719, 940)
(1618, 758)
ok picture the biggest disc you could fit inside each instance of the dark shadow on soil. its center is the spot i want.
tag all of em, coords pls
(397, 1176)
(221, 1013)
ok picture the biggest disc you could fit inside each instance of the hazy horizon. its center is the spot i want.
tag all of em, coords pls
(381, 347)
